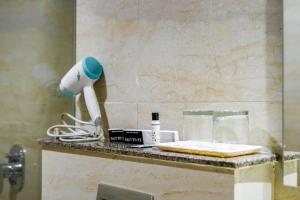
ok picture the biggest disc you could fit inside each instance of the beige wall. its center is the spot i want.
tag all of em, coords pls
(36, 40)
(291, 74)
(173, 55)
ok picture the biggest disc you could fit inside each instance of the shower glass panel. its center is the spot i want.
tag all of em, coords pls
(37, 48)
(291, 105)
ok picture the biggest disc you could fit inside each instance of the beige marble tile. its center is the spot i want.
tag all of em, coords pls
(291, 75)
(166, 183)
(121, 115)
(184, 51)
(112, 36)
(197, 55)
(171, 117)
(172, 55)
(114, 115)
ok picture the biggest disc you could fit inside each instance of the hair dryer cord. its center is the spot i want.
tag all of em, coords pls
(76, 133)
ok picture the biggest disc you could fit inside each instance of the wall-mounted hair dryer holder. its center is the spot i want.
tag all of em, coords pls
(14, 170)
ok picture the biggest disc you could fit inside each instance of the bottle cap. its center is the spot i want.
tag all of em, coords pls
(155, 116)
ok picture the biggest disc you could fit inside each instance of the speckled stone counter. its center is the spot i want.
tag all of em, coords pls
(154, 153)
(291, 155)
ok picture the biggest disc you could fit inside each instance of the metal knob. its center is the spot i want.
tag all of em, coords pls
(14, 170)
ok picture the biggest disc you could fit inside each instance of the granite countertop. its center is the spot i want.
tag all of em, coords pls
(155, 153)
(291, 155)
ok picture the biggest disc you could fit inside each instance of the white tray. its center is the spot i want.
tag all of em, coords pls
(209, 148)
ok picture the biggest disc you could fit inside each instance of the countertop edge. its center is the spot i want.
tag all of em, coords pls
(169, 163)
(175, 158)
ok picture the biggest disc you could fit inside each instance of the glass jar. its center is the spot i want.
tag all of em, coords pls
(198, 125)
(231, 127)
(216, 126)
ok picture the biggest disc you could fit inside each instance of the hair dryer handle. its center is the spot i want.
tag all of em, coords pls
(92, 104)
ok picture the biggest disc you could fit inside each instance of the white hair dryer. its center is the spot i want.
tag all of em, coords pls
(81, 77)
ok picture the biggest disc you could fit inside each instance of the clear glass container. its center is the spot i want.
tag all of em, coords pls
(198, 125)
(216, 126)
(231, 127)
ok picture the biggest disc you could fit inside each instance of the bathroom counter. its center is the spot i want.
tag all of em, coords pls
(74, 171)
(291, 155)
(155, 153)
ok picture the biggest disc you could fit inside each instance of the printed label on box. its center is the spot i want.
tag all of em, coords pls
(116, 135)
(133, 137)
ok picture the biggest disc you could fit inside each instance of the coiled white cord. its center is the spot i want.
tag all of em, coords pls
(75, 133)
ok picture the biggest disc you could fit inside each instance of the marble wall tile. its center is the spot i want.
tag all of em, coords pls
(185, 48)
(114, 115)
(208, 58)
(121, 115)
(171, 117)
(109, 31)
(291, 75)
(173, 55)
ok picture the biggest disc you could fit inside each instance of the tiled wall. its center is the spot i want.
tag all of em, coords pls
(174, 55)
(291, 75)
(36, 39)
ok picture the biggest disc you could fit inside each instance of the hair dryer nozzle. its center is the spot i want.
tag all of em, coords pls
(92, 68)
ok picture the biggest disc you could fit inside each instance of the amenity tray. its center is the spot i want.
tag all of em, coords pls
(222, 150)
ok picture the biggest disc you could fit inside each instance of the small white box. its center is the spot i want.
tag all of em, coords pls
(165, 136)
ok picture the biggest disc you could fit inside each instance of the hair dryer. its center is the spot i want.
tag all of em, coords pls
(81, 77)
